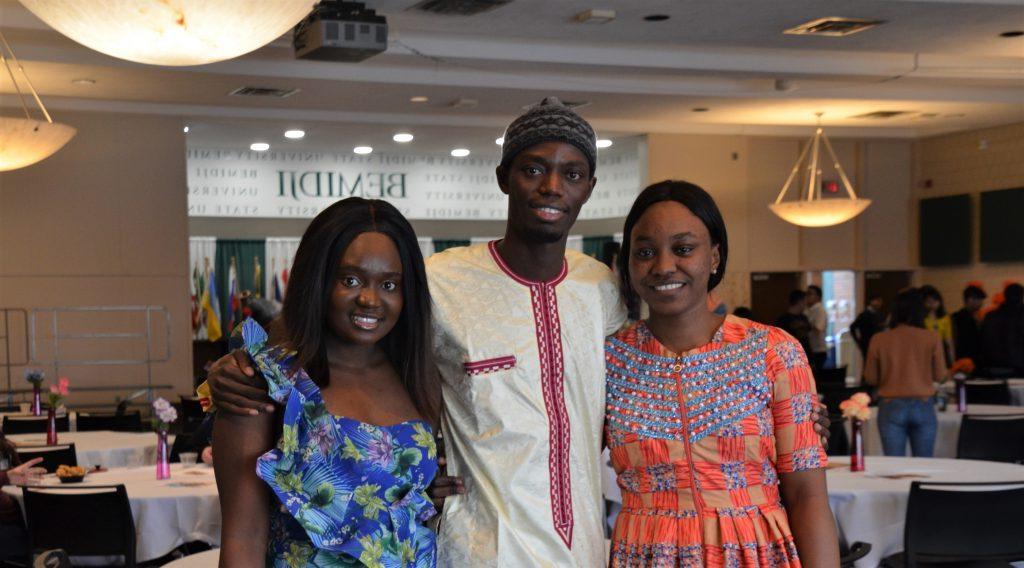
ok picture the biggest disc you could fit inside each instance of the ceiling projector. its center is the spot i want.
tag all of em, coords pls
(340, 31)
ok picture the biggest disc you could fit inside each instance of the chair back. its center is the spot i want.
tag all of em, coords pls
(835, 377)
(129, 422)
(992, 437)
(988, 391)
(838, 440)
(53, 456)
(32, 424)
(84, 520)
(192, 413)
(988, 522)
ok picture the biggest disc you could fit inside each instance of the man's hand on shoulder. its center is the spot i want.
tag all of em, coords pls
(236, 387)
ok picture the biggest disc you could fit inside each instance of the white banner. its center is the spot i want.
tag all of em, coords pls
(225, 182)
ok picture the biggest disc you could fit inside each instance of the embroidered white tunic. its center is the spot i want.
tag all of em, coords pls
(522, 367)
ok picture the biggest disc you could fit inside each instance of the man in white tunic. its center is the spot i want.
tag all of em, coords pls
(520, 325)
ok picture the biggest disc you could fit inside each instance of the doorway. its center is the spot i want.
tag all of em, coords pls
(769, 293)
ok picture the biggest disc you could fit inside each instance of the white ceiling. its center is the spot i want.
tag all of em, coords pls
(940, 58)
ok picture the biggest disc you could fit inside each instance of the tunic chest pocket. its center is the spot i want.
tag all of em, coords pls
(485, 366)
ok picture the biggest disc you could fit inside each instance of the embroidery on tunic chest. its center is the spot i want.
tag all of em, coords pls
(552, 369)
(721, 387)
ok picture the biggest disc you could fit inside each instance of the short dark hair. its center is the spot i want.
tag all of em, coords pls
(694, 198)
(816, 289)
(1013, 294)
(797, 296)
(311, 282)
(908, 308)
(973, 292)
(743, 312)
(929, 291)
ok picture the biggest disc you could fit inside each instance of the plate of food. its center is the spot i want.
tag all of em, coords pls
(70, 473)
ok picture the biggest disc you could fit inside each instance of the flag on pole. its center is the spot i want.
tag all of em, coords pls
(211, 305)
(257, 287)
(196, 293)
(284, 283)
(234, 299)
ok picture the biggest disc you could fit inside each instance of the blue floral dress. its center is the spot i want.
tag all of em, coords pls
(351, 493)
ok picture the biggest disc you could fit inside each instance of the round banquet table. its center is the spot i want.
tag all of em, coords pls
(101, 447)
(169, 512)
(870, 506)
(945, 437)
(72, 417)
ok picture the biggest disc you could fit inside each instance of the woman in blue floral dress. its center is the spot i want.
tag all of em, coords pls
(350, 362)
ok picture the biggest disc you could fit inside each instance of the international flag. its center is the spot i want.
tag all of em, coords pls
(284, 283)
(234, 299)
(211, 307)
(257, 278)
(195, 289)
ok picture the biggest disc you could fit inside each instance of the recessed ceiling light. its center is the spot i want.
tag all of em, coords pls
(833, 27)
(185, 130)
(362, 149)
(402, 137)
(656, 18)
(699, 109)
(500, 141)
(294, 134)
(83, 81)
(604, 143)
(595, 16)
(418, 99)
(259, 146)
(460, 152)
(1012, 33)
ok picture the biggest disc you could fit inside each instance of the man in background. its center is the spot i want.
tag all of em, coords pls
(868, 323)
(967, 324)
(795, 322)
(1002, 335)
(819, 328)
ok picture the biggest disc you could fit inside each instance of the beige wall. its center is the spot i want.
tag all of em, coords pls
(103, 223)
(969, 162)
(745, 173)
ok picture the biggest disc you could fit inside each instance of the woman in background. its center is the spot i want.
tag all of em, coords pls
(938, 320)
(904, 363)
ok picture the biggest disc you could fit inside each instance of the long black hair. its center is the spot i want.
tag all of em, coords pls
(928, 291)
(304, 316)
(694, 198)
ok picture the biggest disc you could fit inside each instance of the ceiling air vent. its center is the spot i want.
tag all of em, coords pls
(262, 92)
(883, 114)
(833, 27)
(458, 7)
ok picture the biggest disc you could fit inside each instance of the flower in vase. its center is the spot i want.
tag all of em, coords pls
(856, 407)
(963, 367)
(163, 414)
(35, 376)
(58, 392)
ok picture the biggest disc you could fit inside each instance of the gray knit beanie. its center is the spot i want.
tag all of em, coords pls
(549, 121)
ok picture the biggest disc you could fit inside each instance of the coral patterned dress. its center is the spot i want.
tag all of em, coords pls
(698, 440)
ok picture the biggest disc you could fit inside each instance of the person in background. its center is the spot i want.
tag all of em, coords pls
(938, 320)
(795, 322)
(818, 317)
(1002, 335)
(867, 324)
(904, 363)
(743, 312)
(610, 254)
(967, 324)
(13, 537)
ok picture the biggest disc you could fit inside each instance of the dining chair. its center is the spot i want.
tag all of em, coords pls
(53, 456)
(962, 522)
(128, 422)
(32, 424)
(992, 437)
(83, 521)
(988, 391)
(835, 376)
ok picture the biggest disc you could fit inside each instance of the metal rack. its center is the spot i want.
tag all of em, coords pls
(6, 341)
(57, 316)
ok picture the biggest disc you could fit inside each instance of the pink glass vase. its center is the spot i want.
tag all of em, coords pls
(857, 445)
(51, 426)
(961, 395)
(163, 462)
(37, 403)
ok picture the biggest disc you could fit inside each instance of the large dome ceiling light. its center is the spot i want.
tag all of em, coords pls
(171, 32)
(25, 141)
(812, 210)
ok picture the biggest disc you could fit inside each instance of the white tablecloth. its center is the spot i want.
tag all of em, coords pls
(167, 513)
(945, 437)
(870, 508)
(1016, 391)
(102, 447)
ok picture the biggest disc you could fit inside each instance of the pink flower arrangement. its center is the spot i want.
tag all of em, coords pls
(59, 391)
(856, 407)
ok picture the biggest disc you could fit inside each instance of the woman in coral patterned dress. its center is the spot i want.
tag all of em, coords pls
(708, 419)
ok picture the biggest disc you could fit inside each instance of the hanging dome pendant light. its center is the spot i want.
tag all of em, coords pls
(813, 211)
(25, 141)
(171, 32)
